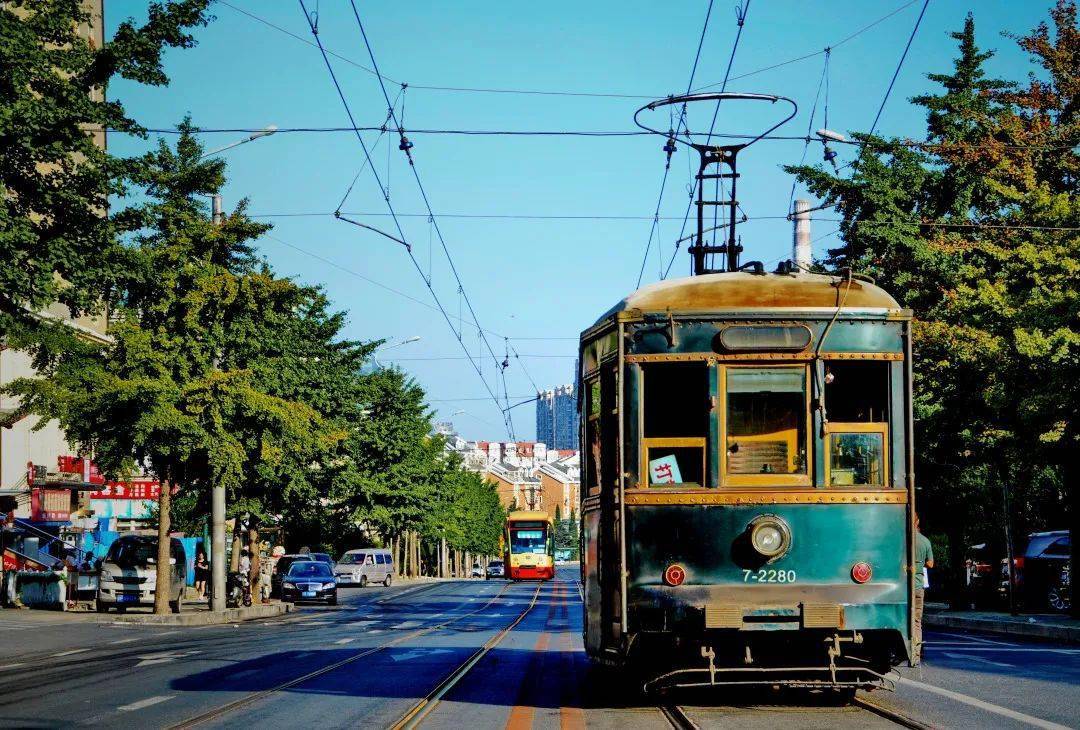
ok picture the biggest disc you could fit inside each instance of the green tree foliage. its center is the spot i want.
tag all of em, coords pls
(997, 329)
(176, 392)
(56, 243)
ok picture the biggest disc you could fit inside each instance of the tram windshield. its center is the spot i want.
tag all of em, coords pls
(528, 541)
(766, 420)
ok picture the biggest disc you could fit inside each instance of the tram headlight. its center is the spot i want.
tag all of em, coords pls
(770, 536)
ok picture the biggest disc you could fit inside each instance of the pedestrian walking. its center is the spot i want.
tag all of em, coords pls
(924, 560)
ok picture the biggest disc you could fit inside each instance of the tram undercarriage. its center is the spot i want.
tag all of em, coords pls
(833, 660)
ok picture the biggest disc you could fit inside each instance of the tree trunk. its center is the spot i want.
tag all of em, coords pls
(418, 568)
(442, 558)
(164, 569)
(237, 546)
(394, 555)
(253, 548)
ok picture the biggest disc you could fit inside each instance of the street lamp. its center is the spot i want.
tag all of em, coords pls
(217, 491)
(406, 341)
(216, 197)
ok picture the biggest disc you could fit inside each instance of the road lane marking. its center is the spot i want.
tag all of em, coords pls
(521, 715)
(144, 703)
(126, 641)
(981, 640)
(196, 720)
(11, 666)
(345, 640)
(69, 652)
(406, 625)
(979, 659)
(362, 624)
(974, 702)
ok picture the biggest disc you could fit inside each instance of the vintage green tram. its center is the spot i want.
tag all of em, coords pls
(747, 494)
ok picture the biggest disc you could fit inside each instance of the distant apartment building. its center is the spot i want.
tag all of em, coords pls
(526, 474)
(556, 418)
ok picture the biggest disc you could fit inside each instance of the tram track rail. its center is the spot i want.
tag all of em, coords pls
(890, 714)
(679, 719)
(254, 697)
(418, 712)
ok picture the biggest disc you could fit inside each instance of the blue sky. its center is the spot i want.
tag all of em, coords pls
(537, 281)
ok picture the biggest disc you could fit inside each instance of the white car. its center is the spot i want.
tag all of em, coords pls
(364, 567)
(477, 571)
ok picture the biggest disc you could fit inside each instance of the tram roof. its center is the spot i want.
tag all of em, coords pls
(744, 290)
(528, 515)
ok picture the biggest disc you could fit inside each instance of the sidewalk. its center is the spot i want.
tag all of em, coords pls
(1053, 626)
(199, 614)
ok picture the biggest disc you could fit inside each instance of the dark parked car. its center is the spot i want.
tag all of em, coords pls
(1046, 570)
(495, 569)
(324, 558)
(282, 567)
(309, 580)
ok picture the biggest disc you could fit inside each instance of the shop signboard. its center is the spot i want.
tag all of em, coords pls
(128, 490)
(50, 505)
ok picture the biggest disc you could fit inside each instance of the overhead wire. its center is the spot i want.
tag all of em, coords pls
(822, 82)
(914, 144)
(741, 21)
(405, 146)
(397, 223)
(900, 65)
(806, 56)
(669, 148)
(553, 92)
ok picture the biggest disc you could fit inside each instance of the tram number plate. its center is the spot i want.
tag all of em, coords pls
(768, 576)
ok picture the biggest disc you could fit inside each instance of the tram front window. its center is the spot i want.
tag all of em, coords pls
(857, 459)
(528, 541)
(766, 420)
(675, 421)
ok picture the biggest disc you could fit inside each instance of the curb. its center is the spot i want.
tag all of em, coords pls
(1064, 634)
(209, 618)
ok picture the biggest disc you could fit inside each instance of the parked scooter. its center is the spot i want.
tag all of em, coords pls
(238, 589)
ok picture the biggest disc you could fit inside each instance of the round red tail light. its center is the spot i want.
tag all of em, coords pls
(861, 572)
(674, 575)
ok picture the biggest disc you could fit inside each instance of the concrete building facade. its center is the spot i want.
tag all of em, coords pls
(556, 418)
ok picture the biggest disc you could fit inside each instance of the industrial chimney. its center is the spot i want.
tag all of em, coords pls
(801, 254)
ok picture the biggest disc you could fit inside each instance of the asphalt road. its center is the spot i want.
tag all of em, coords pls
(460, 654)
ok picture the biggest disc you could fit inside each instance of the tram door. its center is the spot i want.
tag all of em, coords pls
(610, 557)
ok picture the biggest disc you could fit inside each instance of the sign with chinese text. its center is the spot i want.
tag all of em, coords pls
(128, 490)
(664, 470)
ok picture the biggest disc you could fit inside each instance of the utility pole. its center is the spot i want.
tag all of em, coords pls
(217, 491)
(217, 502)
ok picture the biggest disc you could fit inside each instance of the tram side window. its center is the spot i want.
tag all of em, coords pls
(857, 443)
(675, 419)
(766, 421)
(592, 436)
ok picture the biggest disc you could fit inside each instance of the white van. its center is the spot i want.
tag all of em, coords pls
(128, 575)
(368, 565)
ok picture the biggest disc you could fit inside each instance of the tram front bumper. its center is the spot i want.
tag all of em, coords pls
(764, 608)
(532, 572)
